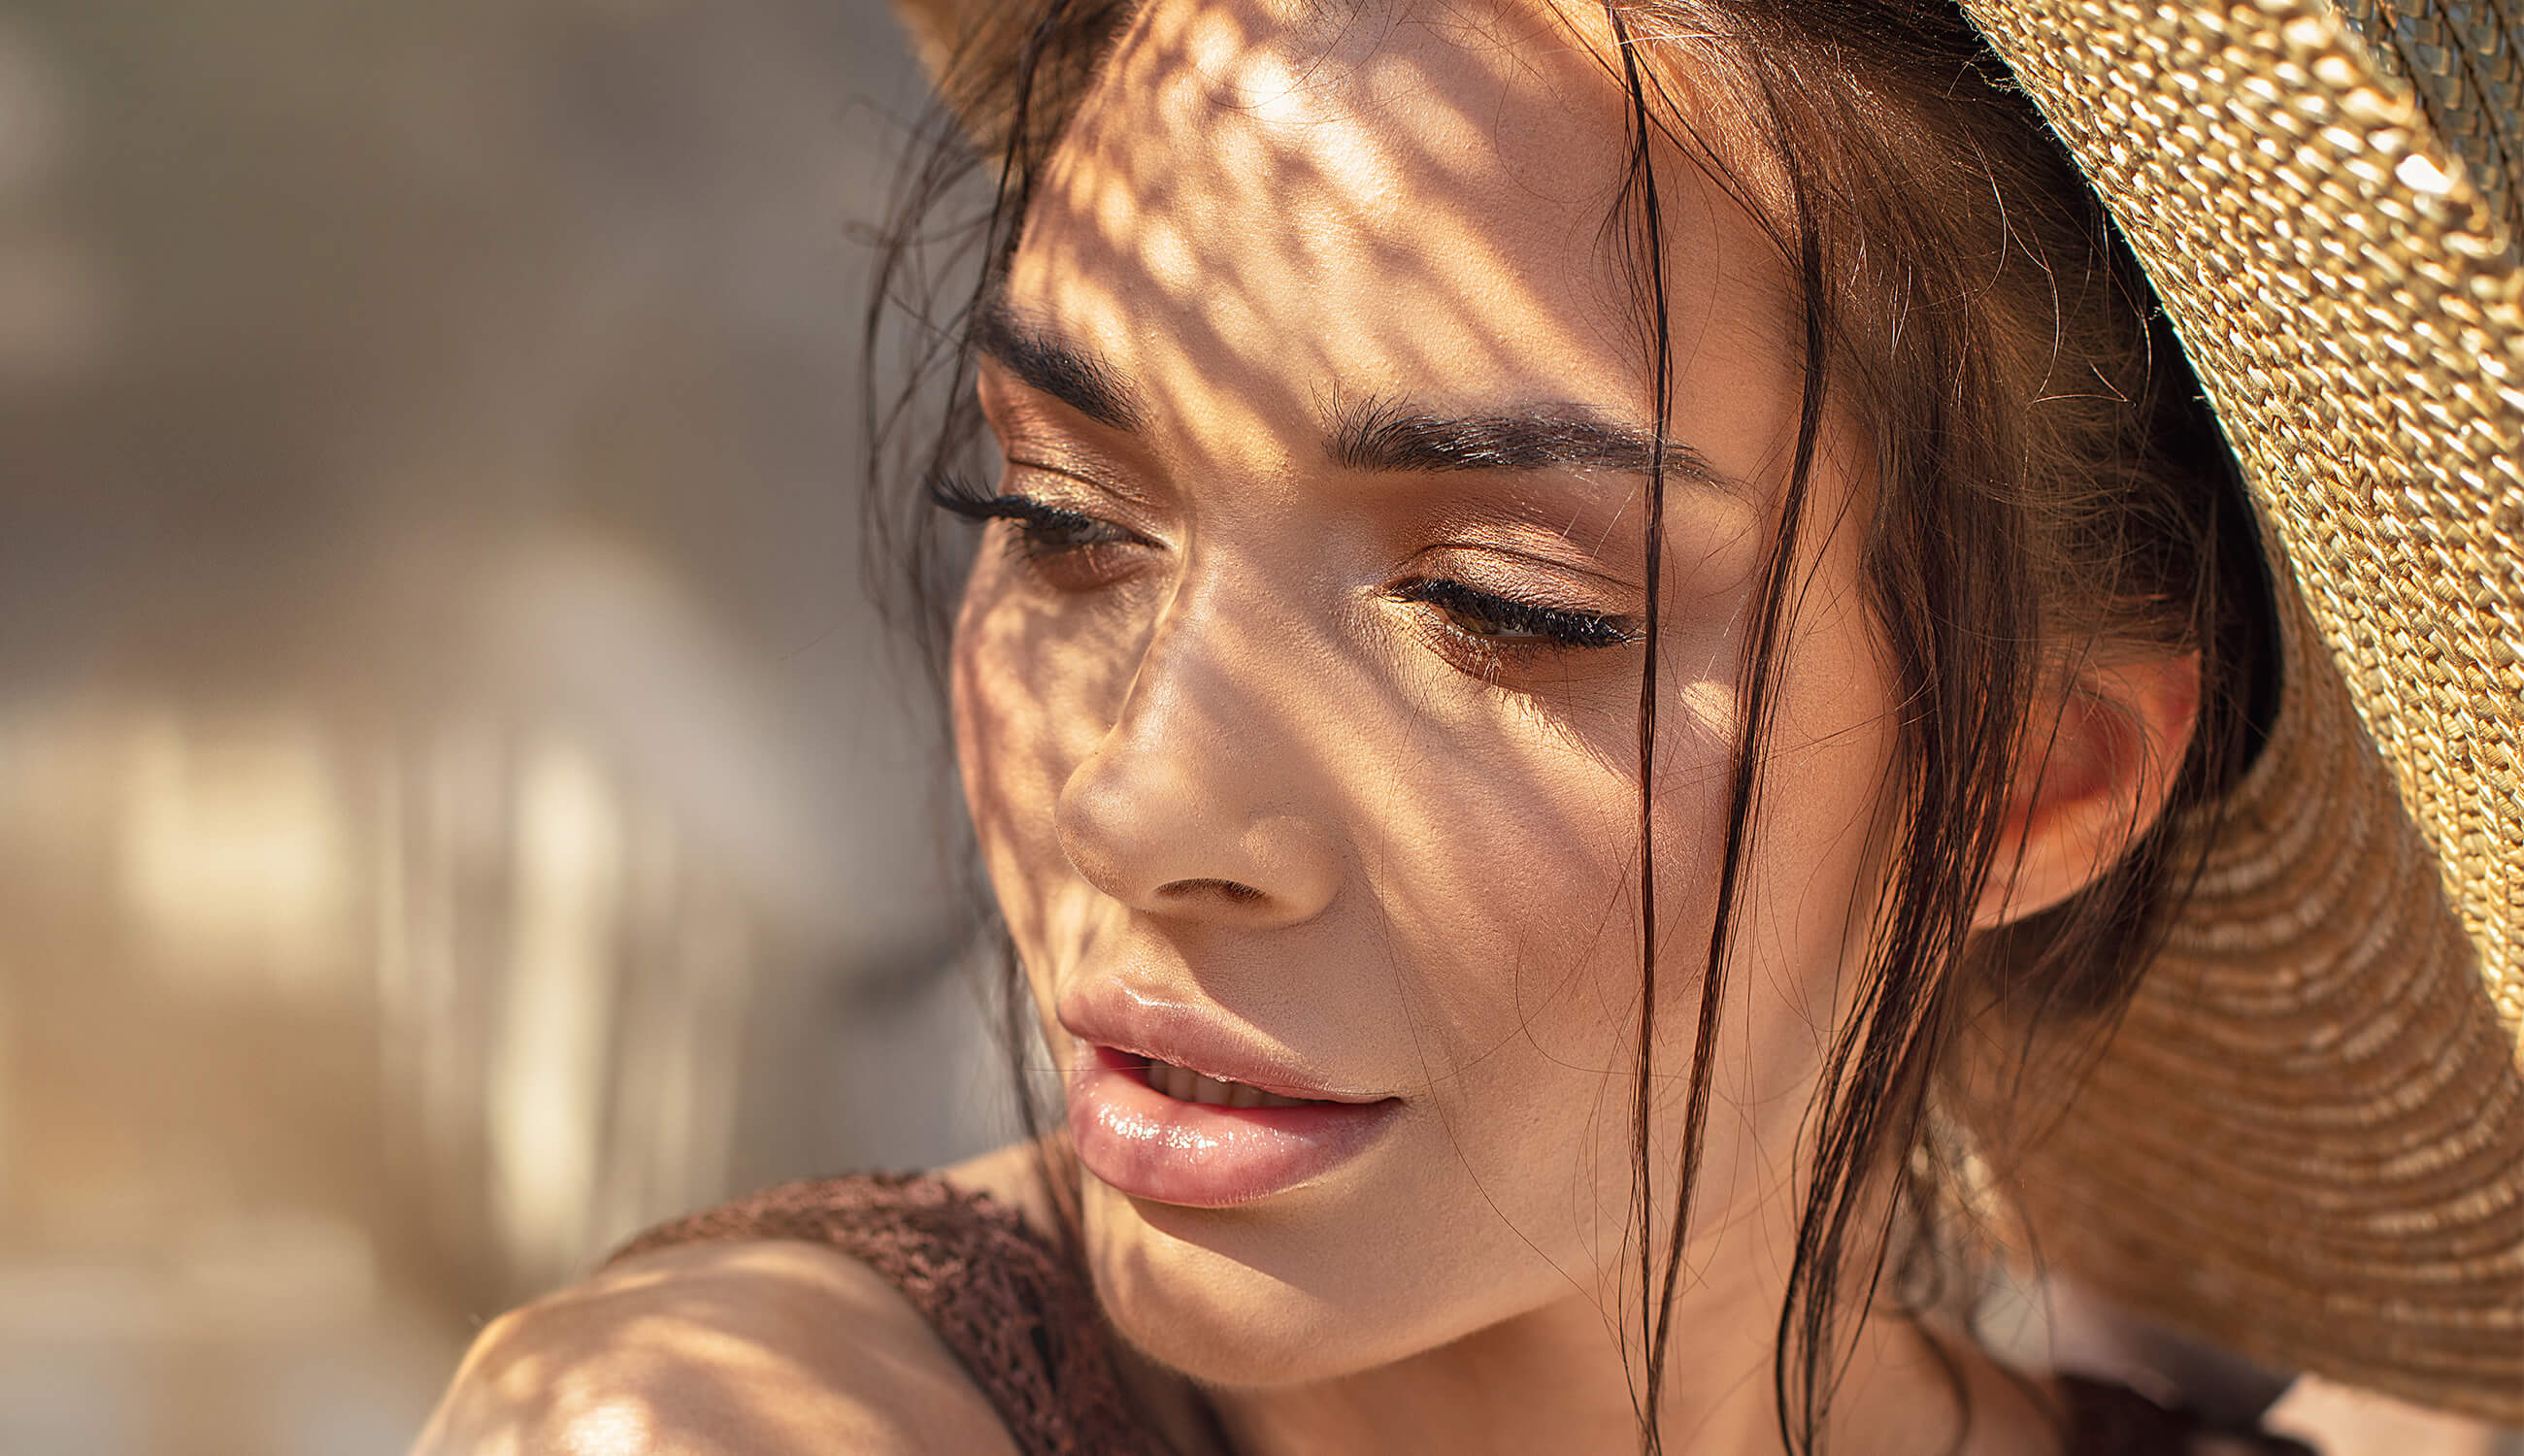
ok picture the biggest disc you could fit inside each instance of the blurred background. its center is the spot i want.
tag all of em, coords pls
(456, 805)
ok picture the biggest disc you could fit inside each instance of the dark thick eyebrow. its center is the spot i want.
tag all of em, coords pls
(1379, 434)
(1392, 435)
(1044, 361)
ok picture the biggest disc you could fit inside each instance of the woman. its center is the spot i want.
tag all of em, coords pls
(1624, 713)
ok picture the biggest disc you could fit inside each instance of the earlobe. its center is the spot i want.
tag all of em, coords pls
(2096, 763)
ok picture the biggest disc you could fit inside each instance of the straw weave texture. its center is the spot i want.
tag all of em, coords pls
(2307, 1140)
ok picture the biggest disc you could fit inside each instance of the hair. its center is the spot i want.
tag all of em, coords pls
(2049, 489)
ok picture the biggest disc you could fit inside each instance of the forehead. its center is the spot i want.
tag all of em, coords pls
(1263, 202)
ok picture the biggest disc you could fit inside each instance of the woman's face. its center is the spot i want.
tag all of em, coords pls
(1297, 690)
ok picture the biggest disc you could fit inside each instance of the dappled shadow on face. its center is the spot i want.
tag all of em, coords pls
(1431, 842)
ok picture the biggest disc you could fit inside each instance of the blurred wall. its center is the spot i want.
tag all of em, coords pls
(456, 802)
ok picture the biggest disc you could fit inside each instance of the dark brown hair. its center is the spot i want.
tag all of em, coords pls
(2048, 487)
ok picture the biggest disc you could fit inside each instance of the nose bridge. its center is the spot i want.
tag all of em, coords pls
(1196, 658)
(1197, 800)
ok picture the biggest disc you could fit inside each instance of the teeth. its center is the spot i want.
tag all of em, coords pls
(1185, 1085)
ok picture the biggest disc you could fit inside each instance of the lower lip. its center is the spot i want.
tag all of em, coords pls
(1150, 1146)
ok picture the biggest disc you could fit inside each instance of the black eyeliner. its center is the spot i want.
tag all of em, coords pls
(1560, 625)
(958, 496)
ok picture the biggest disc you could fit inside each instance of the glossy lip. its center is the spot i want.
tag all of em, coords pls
(1149, 1145)
(1110, 1015)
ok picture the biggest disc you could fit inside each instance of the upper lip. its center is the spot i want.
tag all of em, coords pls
(1108, 1014)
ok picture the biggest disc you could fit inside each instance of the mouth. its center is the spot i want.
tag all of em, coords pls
(1174, 1134)
(1189, 1084)
(1185, 1085)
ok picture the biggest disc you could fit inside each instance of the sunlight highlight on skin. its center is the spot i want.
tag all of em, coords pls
(612, 1428)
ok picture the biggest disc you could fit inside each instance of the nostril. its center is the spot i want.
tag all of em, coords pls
(1229, 889)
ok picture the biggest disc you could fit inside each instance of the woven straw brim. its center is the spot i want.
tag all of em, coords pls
(2306, 1140)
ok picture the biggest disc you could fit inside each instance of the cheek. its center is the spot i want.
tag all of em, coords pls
(1033, 688)
(1517, 957)
(1534, 999)
(1506, 890)
(1815, 870)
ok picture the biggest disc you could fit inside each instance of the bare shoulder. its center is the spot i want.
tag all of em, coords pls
(761, 1348)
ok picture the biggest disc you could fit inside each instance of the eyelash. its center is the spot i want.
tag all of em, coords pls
(1043, 530)
(1502, 623)
(1494, 623)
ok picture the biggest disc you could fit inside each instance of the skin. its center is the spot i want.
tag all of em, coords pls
(1218, 755)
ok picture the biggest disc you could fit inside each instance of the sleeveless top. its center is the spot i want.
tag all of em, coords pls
(1025, 1322)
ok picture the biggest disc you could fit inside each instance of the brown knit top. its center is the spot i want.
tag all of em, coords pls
(1026, 1326)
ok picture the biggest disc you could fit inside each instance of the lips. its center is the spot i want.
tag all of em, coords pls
(1212, 1128)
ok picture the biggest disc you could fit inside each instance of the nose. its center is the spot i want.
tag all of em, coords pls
(1194, 804)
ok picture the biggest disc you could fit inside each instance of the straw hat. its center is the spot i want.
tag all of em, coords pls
(2305, 1141)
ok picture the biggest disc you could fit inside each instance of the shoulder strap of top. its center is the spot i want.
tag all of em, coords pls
(1026, 1326)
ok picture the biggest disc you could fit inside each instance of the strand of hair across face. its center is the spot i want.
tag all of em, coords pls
(1642, 182)
(1641, 185)
(1745, 791)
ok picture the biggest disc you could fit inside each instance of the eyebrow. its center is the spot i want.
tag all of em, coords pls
(1379, 434)
(1050, 365)
(1394, 435)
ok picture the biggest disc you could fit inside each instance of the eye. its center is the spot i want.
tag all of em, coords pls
(1057, 543)
(1504, 623)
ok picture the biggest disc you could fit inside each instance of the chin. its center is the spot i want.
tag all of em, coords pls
(1183, 1287)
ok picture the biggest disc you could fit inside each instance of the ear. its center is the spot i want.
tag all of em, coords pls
(2092, 776)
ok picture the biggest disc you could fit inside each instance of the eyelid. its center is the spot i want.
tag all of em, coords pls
(1050, 468)
(1566, 539)
(1088, 482)
(1093, 495)
(1039, 433)
(1528, 579)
